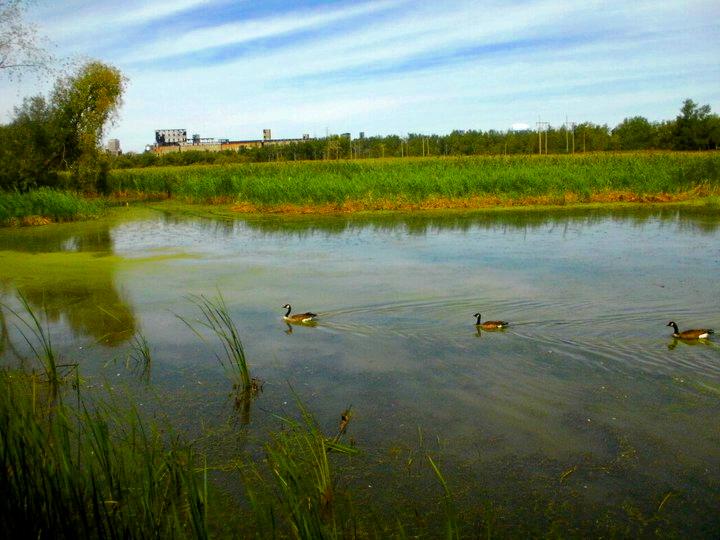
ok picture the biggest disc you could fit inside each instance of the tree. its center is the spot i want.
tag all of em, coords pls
(63, 134)
(19, 49)
(84, 105)
(693, 127)
(635, 133)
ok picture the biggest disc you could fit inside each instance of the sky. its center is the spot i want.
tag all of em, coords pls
(229, 69)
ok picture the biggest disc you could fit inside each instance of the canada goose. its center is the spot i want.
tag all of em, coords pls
(698, 333)
(298, 317)
(489, 325)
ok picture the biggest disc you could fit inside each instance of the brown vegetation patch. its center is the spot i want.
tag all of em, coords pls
(29, 221)
(468, 203)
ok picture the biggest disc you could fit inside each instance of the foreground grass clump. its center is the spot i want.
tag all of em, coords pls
(295, 493)
(433, 182)
(90, 473)
(45, 205)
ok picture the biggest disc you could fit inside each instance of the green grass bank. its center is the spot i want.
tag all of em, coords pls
(432, 182)
(44, 205)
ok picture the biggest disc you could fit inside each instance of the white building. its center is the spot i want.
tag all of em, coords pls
(113, 147)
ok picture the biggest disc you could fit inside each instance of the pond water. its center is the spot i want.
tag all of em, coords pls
(584, 407)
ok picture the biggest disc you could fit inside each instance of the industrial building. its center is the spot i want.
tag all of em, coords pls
(175, 140)
(113, 147)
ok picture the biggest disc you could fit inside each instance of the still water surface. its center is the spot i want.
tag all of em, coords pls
(586, 397)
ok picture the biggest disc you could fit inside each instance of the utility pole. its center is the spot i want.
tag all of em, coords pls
(542, 126)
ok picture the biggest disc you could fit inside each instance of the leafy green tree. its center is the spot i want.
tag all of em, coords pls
(65, 133)
(693, 127)
(84, 105)
(714, 132)
(27, 143)
(635, 133)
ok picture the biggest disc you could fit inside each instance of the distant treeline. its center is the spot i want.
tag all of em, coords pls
(695, 128)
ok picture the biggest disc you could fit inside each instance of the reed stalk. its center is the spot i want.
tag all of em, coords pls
(216, 318)
(38, 340)
(452, 528)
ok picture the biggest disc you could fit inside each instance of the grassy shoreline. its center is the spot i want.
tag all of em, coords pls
(44, 205)
(425, 183)
(415, 184)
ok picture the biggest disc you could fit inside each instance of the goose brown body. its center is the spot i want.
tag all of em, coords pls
(298, 317)
(695, 333)
(489, 325)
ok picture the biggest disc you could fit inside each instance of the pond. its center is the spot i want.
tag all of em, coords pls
(583, 410)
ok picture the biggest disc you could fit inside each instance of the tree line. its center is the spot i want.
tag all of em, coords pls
(695, 128)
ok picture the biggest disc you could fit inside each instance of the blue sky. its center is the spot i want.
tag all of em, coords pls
(231, 68)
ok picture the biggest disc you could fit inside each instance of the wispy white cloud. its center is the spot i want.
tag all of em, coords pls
(235, 33)
(74, 22)
(145, 12)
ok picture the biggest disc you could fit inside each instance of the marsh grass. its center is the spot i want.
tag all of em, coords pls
(216, 318)
(452, 528)
(296, 493)
(45, 205)
(91, 472)
(37, 337)
(140, 354)
(391, 183)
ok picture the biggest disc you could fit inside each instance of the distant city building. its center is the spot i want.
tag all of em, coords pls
(362, 135)
(175, 140)
(170, 136)
(113, 147)
(345, 136)
(306, 136)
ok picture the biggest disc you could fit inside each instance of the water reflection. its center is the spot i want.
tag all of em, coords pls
(67, 272)
(701, 219)
(690, 343)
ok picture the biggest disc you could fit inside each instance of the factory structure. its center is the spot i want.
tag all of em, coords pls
(176, 140)
(113, 147)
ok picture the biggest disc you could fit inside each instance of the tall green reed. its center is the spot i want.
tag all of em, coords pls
(92, 472)
(37, 337)
(452, 528)
(140, 354)
(296, 494)
(216, 318)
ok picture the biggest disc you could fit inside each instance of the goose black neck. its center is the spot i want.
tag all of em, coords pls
(675, 327)
(288, 310)
(478, 318)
